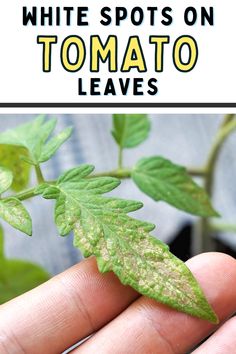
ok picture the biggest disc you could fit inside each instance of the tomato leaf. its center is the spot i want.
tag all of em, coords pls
(163, 180)
(6, 179)
(18, 277)
(15, 214)
(33, 136)
(49, 149)
(123, 244)
(12, 157)
(130, 130)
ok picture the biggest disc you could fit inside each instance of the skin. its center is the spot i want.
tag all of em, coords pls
(81, 301)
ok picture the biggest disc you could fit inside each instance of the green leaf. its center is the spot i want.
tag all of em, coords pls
(6, 179)
(72, 191)
(33, 136)
(130, 130)
(53, 145)
(123, 244)
(18, 277)
(15, 214)
(12, 157)
(162, 180)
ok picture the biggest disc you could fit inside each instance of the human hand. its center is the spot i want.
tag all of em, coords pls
(81, 301)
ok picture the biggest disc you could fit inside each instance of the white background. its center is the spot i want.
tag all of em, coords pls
(212, 80)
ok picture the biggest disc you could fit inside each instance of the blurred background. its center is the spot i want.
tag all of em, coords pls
(184, 139)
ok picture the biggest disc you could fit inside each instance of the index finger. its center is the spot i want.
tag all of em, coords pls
(63, 310)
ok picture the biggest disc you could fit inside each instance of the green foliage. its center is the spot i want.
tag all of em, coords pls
(11, 209)
(33, 136)
(130, 130)
(49, 149)
(17, 277)
(15, 214)
(76, 195)
(120, 243)
(101, 226)
(6, 178)
(162, 180)
(11, 157)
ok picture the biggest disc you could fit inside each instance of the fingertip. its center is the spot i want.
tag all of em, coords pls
(216, 259)
(215, 271)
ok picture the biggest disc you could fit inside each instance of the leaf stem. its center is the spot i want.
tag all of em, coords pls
(39, 174)
(227, 119)
(196, 172)
(220, 139)
(120, 158)
(119, 173)
(124, 173)
(30, 192)
(223, 227)
(204, 242)
(26, 194)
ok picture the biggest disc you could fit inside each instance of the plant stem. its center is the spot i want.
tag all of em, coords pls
(120, 173)
(120, 158)
(30, 193)
(227, 119)
(196, 172)
(26, 194)
(39, 174)
(223, 227)
(220, 139)
(204, 242)
(124, 173)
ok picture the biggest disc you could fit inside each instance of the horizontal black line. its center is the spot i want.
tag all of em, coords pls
(118, 105)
